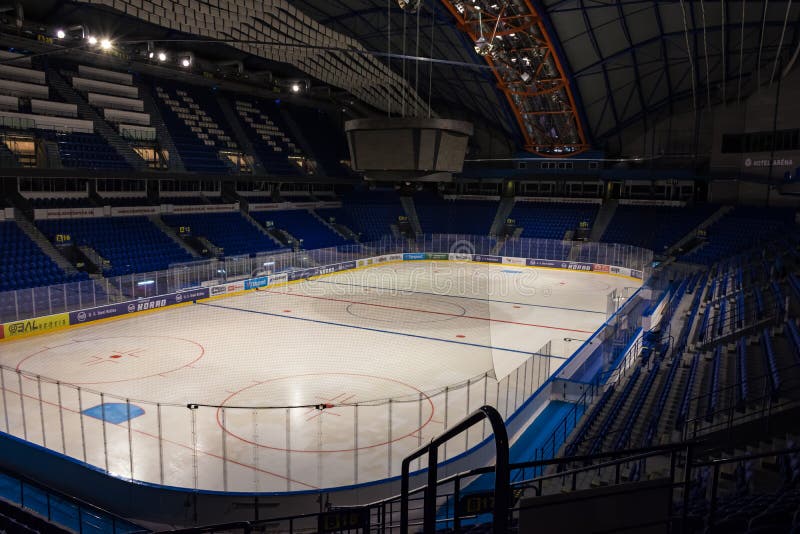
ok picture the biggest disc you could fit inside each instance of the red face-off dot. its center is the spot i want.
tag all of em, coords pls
(115, 356)
(461, 336)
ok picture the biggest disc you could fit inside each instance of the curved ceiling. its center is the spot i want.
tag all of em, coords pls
(636, 61)
(629, 63)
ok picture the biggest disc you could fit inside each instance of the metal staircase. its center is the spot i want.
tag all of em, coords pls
(101, 126)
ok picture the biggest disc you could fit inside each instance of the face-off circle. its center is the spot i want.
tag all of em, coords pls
(108, 360)
(406, 309)
(327, 404)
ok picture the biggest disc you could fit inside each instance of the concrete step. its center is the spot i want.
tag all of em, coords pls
(604, 217)
(43, 243)
(333, 228)
(170, 232)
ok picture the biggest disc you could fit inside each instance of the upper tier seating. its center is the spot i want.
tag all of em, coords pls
(130, 244)
(654, 227)
(196, 125)
(269, 135)
(23, 264)
(325, 138)
(551, 220)
(440, 216)
(231, 231)
(740, 229)
(302, 225)
(85, 151)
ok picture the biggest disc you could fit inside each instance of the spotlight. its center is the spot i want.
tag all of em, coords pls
(409, 5)
(162, 56)
(151, 55)
(92, 40)
(525, 76)
(186, 62)
(105, 44)
(295, 87)
(483, 47)
(61, 34)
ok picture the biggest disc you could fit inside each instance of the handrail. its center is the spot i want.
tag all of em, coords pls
(49, 492)
(501, 478)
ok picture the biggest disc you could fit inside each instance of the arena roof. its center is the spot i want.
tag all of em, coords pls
(626, 64)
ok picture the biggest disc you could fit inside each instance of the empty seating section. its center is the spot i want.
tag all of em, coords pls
(85, 151)
(654, 227)
(302, 225)
(325, 137)
(23, 264)
(130, 244)
(194, 120)
(269, 135)
(230, 231)
(551, 220)
(369, 214)
(740, 229)
(441, 216)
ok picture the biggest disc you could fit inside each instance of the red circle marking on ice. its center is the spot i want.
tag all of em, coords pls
(44, 351)
(562, 283)
(287, 311)
(461, 335)
(423, 398)
(518, 307)
(115, 356)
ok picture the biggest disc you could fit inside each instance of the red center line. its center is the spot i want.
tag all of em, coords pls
(431, 312)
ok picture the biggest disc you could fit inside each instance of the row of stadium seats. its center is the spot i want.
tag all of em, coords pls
(551, 220)
(227, 230)
(693, 379)
(439, 216)
(85, 151)
(654, 227)
(741, 228)
(302, 225)
(130, 244)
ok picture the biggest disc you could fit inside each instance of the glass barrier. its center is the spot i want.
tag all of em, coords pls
(270, 438)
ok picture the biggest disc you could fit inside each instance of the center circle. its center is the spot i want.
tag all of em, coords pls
(406, 309)
(113, 359)
(328, 407)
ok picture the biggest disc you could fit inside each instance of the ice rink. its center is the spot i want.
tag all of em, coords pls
(320, 383)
